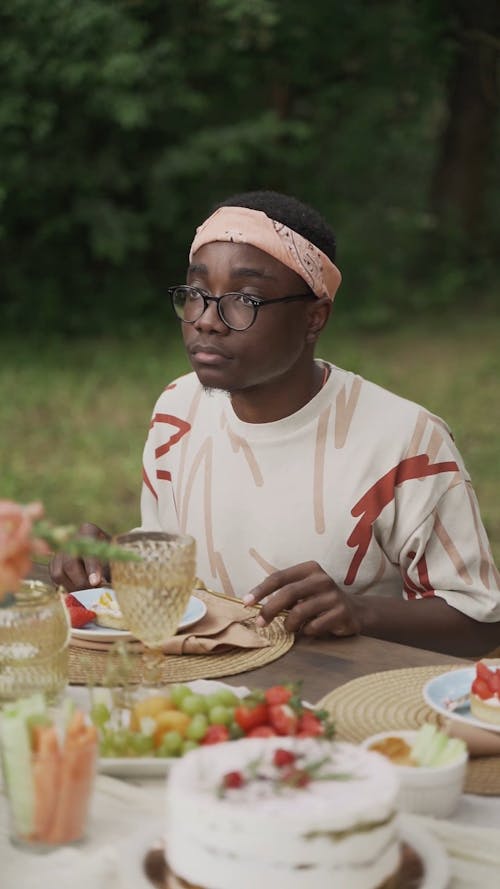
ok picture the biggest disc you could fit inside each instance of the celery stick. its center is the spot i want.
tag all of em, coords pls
(433, 752)
(16, 742)
(433, 747)
(424, 737)
(454, 749)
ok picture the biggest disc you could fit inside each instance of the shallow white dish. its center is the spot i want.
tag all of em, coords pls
(146, 766)
(431, 852)
(452, 685)
(196, 609)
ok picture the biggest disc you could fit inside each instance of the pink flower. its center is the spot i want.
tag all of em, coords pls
(17, 544)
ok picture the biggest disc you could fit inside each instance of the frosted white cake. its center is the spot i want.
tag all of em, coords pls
(336, 832)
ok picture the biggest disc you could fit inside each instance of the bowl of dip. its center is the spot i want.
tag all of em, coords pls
(424, 789)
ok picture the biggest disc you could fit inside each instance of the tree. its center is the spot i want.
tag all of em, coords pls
(467, 142)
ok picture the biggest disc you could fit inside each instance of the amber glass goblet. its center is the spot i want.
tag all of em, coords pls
(153, 591)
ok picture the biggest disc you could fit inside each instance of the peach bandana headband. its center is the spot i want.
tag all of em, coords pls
(244, 226)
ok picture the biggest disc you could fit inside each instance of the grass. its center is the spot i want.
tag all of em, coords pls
(73, 415)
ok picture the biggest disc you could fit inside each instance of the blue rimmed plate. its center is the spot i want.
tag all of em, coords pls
(448, 687)
(196, 609)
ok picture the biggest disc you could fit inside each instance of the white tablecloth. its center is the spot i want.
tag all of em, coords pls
(126, 820)
(127, 816)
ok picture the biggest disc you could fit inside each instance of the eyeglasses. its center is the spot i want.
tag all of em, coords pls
(237, 310)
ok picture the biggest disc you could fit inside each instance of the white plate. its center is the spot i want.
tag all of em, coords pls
(430, 851)
(147, 766)
(452, 685)
(196, 609)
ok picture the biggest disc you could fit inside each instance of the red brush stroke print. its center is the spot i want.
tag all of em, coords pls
(423, 576)
(379, 496)
(413, 591)
(181, 425)
(164, 474)
(148, 484)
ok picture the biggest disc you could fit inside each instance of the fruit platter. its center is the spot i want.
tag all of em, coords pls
(142, 732)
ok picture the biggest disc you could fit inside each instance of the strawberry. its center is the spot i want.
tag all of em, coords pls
(283, 719)
(232, 780)
(494, 683)
(80, 616)
(488, 675)
(71, 600)
(283, 757)
(261, 731)
(278, 694)
(216, 734)
(481, 689)
(483, 672)
(250, 715)
(310, 726)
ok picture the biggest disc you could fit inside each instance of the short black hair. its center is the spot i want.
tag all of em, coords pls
(291, 212)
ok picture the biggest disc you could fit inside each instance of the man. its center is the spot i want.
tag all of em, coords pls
(302, 483)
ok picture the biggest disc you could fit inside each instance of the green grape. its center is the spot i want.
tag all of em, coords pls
(100, 714)
(197, 728)
(120, 742)
(188, 745)
(213, 700)
(178, 692)
(141, 744)
(131, 747)
(171, 744)
(192, 704)
(220, 715)
(226, 697)
(107, 746)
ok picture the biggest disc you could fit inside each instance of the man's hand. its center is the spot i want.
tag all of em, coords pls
(80, 573)
(315, 604)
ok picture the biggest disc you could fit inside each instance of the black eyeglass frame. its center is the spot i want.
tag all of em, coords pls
(255, 301)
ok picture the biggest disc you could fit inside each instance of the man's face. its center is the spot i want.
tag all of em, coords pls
(277, 341)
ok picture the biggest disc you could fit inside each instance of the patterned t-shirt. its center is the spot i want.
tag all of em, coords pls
(367, 484)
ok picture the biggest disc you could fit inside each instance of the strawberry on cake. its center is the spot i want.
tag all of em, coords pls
(485, 691)
(282, 813)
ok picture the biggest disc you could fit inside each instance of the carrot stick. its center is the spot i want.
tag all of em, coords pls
(77, 769)
(82, 789)
(45, 779)
(76, 724)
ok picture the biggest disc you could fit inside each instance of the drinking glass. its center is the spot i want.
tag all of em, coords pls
(34, 639)
(49, 757)
(153, 591)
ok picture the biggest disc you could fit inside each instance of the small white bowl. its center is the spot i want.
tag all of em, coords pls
(426, 790)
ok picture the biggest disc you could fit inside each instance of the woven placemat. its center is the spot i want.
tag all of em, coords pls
(394, 700)
(88, 666)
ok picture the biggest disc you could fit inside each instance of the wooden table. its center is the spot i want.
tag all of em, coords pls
(324, 664)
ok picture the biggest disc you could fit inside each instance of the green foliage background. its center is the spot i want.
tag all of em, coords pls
(123, 121)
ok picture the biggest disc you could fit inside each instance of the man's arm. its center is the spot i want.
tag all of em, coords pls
(78, 572)
(317, 607)
(426, 623)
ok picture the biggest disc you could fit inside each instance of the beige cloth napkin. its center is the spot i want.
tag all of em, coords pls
(226, 625)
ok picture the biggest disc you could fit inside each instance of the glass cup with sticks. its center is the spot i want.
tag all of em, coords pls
(153, 590)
